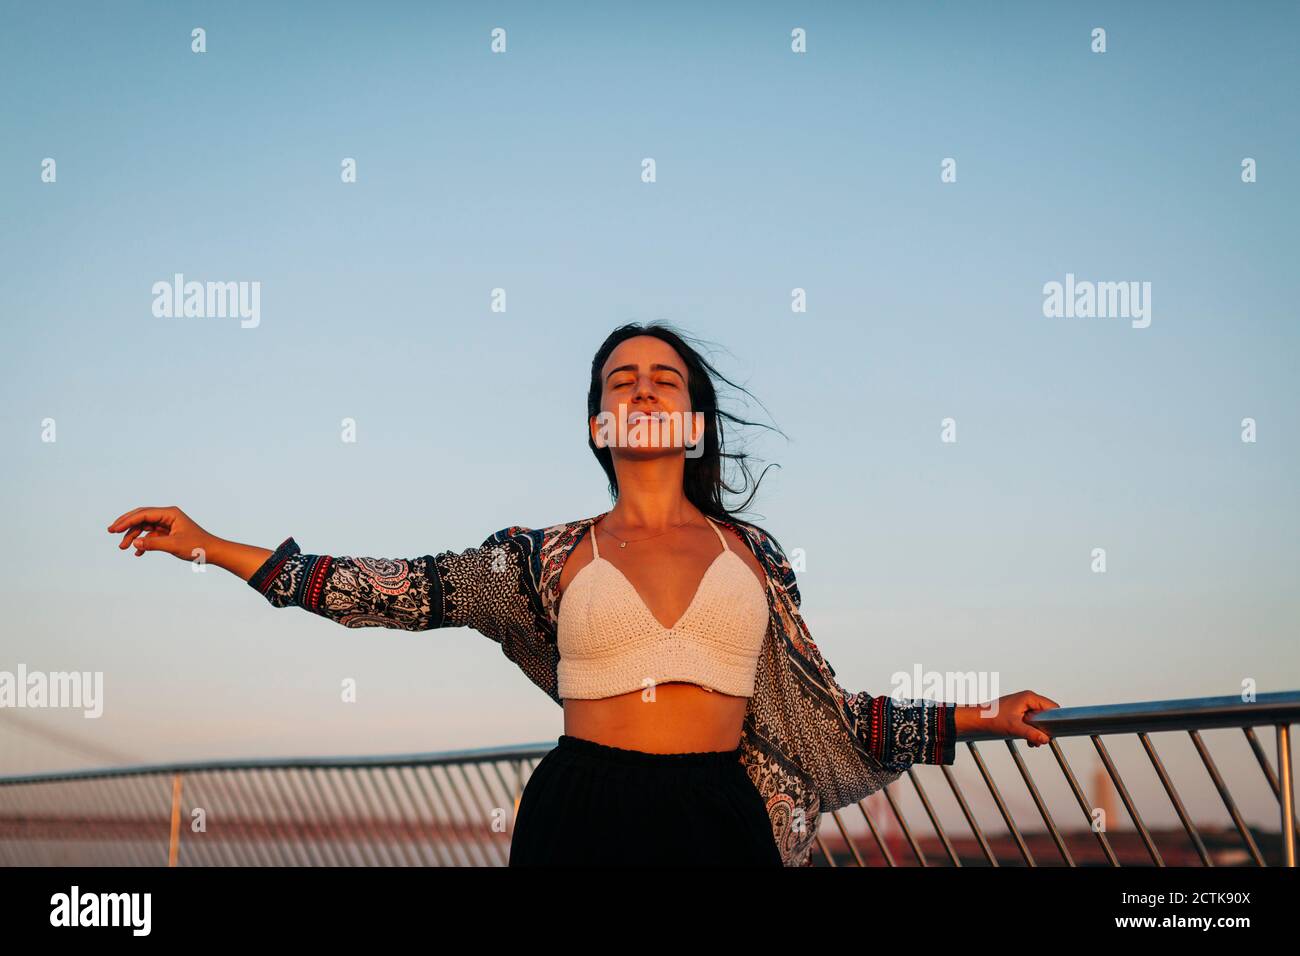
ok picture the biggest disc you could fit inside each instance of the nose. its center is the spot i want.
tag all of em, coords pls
(644, 393)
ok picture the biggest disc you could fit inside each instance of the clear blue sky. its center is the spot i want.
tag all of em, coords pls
(522, 171)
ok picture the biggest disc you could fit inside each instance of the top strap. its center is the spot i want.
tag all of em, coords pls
(595, 552)
(721, 536)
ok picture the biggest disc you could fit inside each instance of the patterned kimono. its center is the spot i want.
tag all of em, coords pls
(808, 745)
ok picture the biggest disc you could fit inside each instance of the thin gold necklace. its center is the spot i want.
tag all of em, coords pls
(624, 544)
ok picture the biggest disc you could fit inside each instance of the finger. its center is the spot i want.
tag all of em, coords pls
(140, 524)
(141, 516)
(1034, 735)
(1026, 729)
(134, 532)
(156, 539)
(1039, 702)
(121, 522)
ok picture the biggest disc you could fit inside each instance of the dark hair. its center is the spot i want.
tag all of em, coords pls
(703, 481)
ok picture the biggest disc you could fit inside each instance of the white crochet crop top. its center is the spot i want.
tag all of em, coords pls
(611, 644)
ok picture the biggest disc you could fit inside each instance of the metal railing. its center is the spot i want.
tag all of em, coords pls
(1143, 719)
(457, 808)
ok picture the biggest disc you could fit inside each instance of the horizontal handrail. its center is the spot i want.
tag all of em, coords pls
(1189, 713)
(472, 755)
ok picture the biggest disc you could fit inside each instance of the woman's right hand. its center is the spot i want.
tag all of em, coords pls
(162, 529)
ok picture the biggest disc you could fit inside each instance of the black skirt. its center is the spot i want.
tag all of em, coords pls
(589, 804)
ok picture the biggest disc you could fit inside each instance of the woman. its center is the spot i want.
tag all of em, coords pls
(672, 639)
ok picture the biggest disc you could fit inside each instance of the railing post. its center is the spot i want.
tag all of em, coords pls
(174, 843)
(1286, 793)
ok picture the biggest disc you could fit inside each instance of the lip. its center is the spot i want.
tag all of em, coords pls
(641, 413)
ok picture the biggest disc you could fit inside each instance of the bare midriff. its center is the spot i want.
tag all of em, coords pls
(675, 717)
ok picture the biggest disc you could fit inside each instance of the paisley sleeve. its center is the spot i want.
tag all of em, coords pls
(448, 589)
(900, 733)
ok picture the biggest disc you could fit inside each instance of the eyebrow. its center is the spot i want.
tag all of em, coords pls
(654, 367)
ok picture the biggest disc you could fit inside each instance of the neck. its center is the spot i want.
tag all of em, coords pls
(649, 516)
(650, 497)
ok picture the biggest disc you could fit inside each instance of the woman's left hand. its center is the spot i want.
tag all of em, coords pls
(1007, 716)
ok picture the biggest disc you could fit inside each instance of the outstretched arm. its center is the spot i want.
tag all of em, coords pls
(445, 590)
